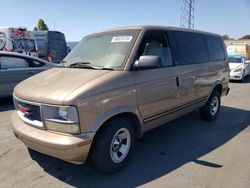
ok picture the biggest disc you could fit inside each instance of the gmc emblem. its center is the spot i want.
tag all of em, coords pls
(24, 110)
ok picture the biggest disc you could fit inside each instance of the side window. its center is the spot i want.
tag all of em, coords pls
(191, 47)
(155, 43)
(215, 49)
(13, 62)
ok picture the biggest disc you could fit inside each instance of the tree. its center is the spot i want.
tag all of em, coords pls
(41, 26)
(245, 37)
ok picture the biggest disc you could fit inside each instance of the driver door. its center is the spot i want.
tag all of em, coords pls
(157, 88)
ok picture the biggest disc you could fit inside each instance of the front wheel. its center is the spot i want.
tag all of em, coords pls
(113, 145)
(243, 77)
(211, 109)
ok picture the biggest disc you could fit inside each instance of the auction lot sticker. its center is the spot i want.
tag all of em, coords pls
(2, 40)
(121, 39)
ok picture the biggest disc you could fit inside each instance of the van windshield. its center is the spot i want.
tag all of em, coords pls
(105, 50)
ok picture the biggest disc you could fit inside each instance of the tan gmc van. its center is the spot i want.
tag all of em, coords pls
(114, 86)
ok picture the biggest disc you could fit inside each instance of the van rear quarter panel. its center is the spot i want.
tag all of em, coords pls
(220, 74)
(198, 80)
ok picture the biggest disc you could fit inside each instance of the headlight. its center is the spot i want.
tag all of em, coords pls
(238, 69)
(63, 112)
(61, 118)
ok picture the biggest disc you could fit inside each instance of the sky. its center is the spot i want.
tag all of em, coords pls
(77, 18)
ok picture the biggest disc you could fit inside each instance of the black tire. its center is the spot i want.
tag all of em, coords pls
(243, 77)
(102, 151)
(208, 112)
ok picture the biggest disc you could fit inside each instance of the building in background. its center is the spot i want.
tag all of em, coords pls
(238, 47)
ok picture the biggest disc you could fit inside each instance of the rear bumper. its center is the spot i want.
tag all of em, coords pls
(71, 148)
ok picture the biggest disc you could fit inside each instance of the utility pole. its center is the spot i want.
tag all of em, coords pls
(187, 14)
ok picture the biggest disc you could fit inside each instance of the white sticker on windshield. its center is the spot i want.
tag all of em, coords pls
(121, 39)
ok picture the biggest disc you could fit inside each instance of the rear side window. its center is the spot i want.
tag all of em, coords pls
(13, 62)
(215, 49)
(191, 47)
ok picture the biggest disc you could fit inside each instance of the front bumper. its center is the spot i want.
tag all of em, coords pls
(236, 75)
(71, 148)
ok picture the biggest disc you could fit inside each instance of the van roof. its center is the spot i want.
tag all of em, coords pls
(45, 32)
(141, 27)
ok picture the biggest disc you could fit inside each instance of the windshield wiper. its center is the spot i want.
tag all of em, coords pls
(87, 65)
(61, 64)
(105, 68)
(80, 63)
(83, 65)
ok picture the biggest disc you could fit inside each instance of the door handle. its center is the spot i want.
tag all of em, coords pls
(177, 81)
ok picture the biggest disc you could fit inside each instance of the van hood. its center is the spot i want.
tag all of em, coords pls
(233, 66)
(54, 85)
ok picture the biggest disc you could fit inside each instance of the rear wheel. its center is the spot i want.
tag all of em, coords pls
(210, 111)
(243, 77)
(113, 145)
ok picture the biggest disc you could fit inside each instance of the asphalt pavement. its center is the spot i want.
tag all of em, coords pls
(187, 152)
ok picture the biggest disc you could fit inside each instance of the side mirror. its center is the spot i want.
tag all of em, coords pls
(247, 62)
(147, 62)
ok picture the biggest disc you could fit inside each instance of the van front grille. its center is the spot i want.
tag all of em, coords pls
(30, 112)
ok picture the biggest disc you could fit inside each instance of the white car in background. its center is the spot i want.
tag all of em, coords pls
(239, 67)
